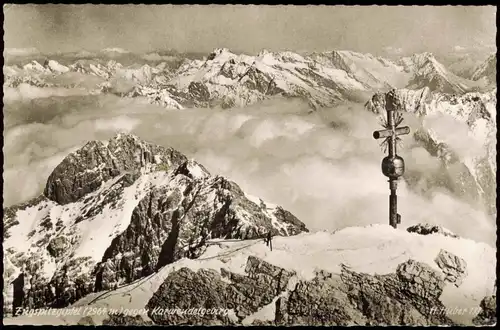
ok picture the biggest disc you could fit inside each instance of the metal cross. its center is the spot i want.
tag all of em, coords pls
(393, 166)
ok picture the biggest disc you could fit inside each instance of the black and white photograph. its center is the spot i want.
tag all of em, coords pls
(249, 165)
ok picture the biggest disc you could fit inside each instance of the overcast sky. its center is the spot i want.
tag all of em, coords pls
(140, 28)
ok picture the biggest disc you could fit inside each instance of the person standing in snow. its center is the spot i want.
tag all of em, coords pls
(269, 240)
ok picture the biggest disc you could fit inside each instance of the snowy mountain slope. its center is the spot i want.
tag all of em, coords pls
(463, 65)
(487, 71)
(310, 262)
(113, 212)
(438, 112)
(56, 67)
(428, 72)
(378, 73)
(242, 79)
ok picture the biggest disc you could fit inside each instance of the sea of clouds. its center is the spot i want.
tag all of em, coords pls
(324, 167)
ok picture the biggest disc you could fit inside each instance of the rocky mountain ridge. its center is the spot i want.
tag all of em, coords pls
(487, 71)
(115, 211)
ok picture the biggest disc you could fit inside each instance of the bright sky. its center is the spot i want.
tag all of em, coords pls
(249, 29)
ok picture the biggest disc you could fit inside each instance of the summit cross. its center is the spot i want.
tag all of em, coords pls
(393, 166)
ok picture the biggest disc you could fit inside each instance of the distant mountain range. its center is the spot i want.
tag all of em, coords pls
(226, 79)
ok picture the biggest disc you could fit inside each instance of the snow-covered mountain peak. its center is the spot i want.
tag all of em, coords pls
(487, 70)
(97, 162)
(427, 71)
(56, 67)
(115, 211)
(222, 54)
(35, 66)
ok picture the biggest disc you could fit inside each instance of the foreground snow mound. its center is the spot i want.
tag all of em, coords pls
(117, 211)
(371, 275)
(472, 117)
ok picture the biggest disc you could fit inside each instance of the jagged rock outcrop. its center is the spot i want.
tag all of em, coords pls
(175, 221)
(453, 267)
(84, 171)
(487, 70)
(120, 210)
(122, 319)
(241, 294)
(428, 72)
(407, 297)
(488, 314)
(404, 298)
(87, 320)
(428, 229)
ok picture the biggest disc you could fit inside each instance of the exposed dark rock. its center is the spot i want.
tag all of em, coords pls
(199, 91)
(408, 297)
(427, 229)
(287, 217)
(174, 222)
(57, 246)
(83, 171)
(86, 320)
(122, 319)
(454, 268)
(244, 294)
(488, 314)
(404, 298)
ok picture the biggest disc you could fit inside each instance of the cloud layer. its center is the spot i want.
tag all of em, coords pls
(323, 167)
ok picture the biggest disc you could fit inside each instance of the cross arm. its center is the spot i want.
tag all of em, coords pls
(387, 132)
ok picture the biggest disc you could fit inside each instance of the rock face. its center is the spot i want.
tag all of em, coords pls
(427, 229)
(428, 72)
(404, 298)
(121, 319)
(454, 268)
(407, 297)
(487, 70)
(476, 167)
(243, 295)
(117, 211)
(174, 222)
(488, 314)
(84, 171)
